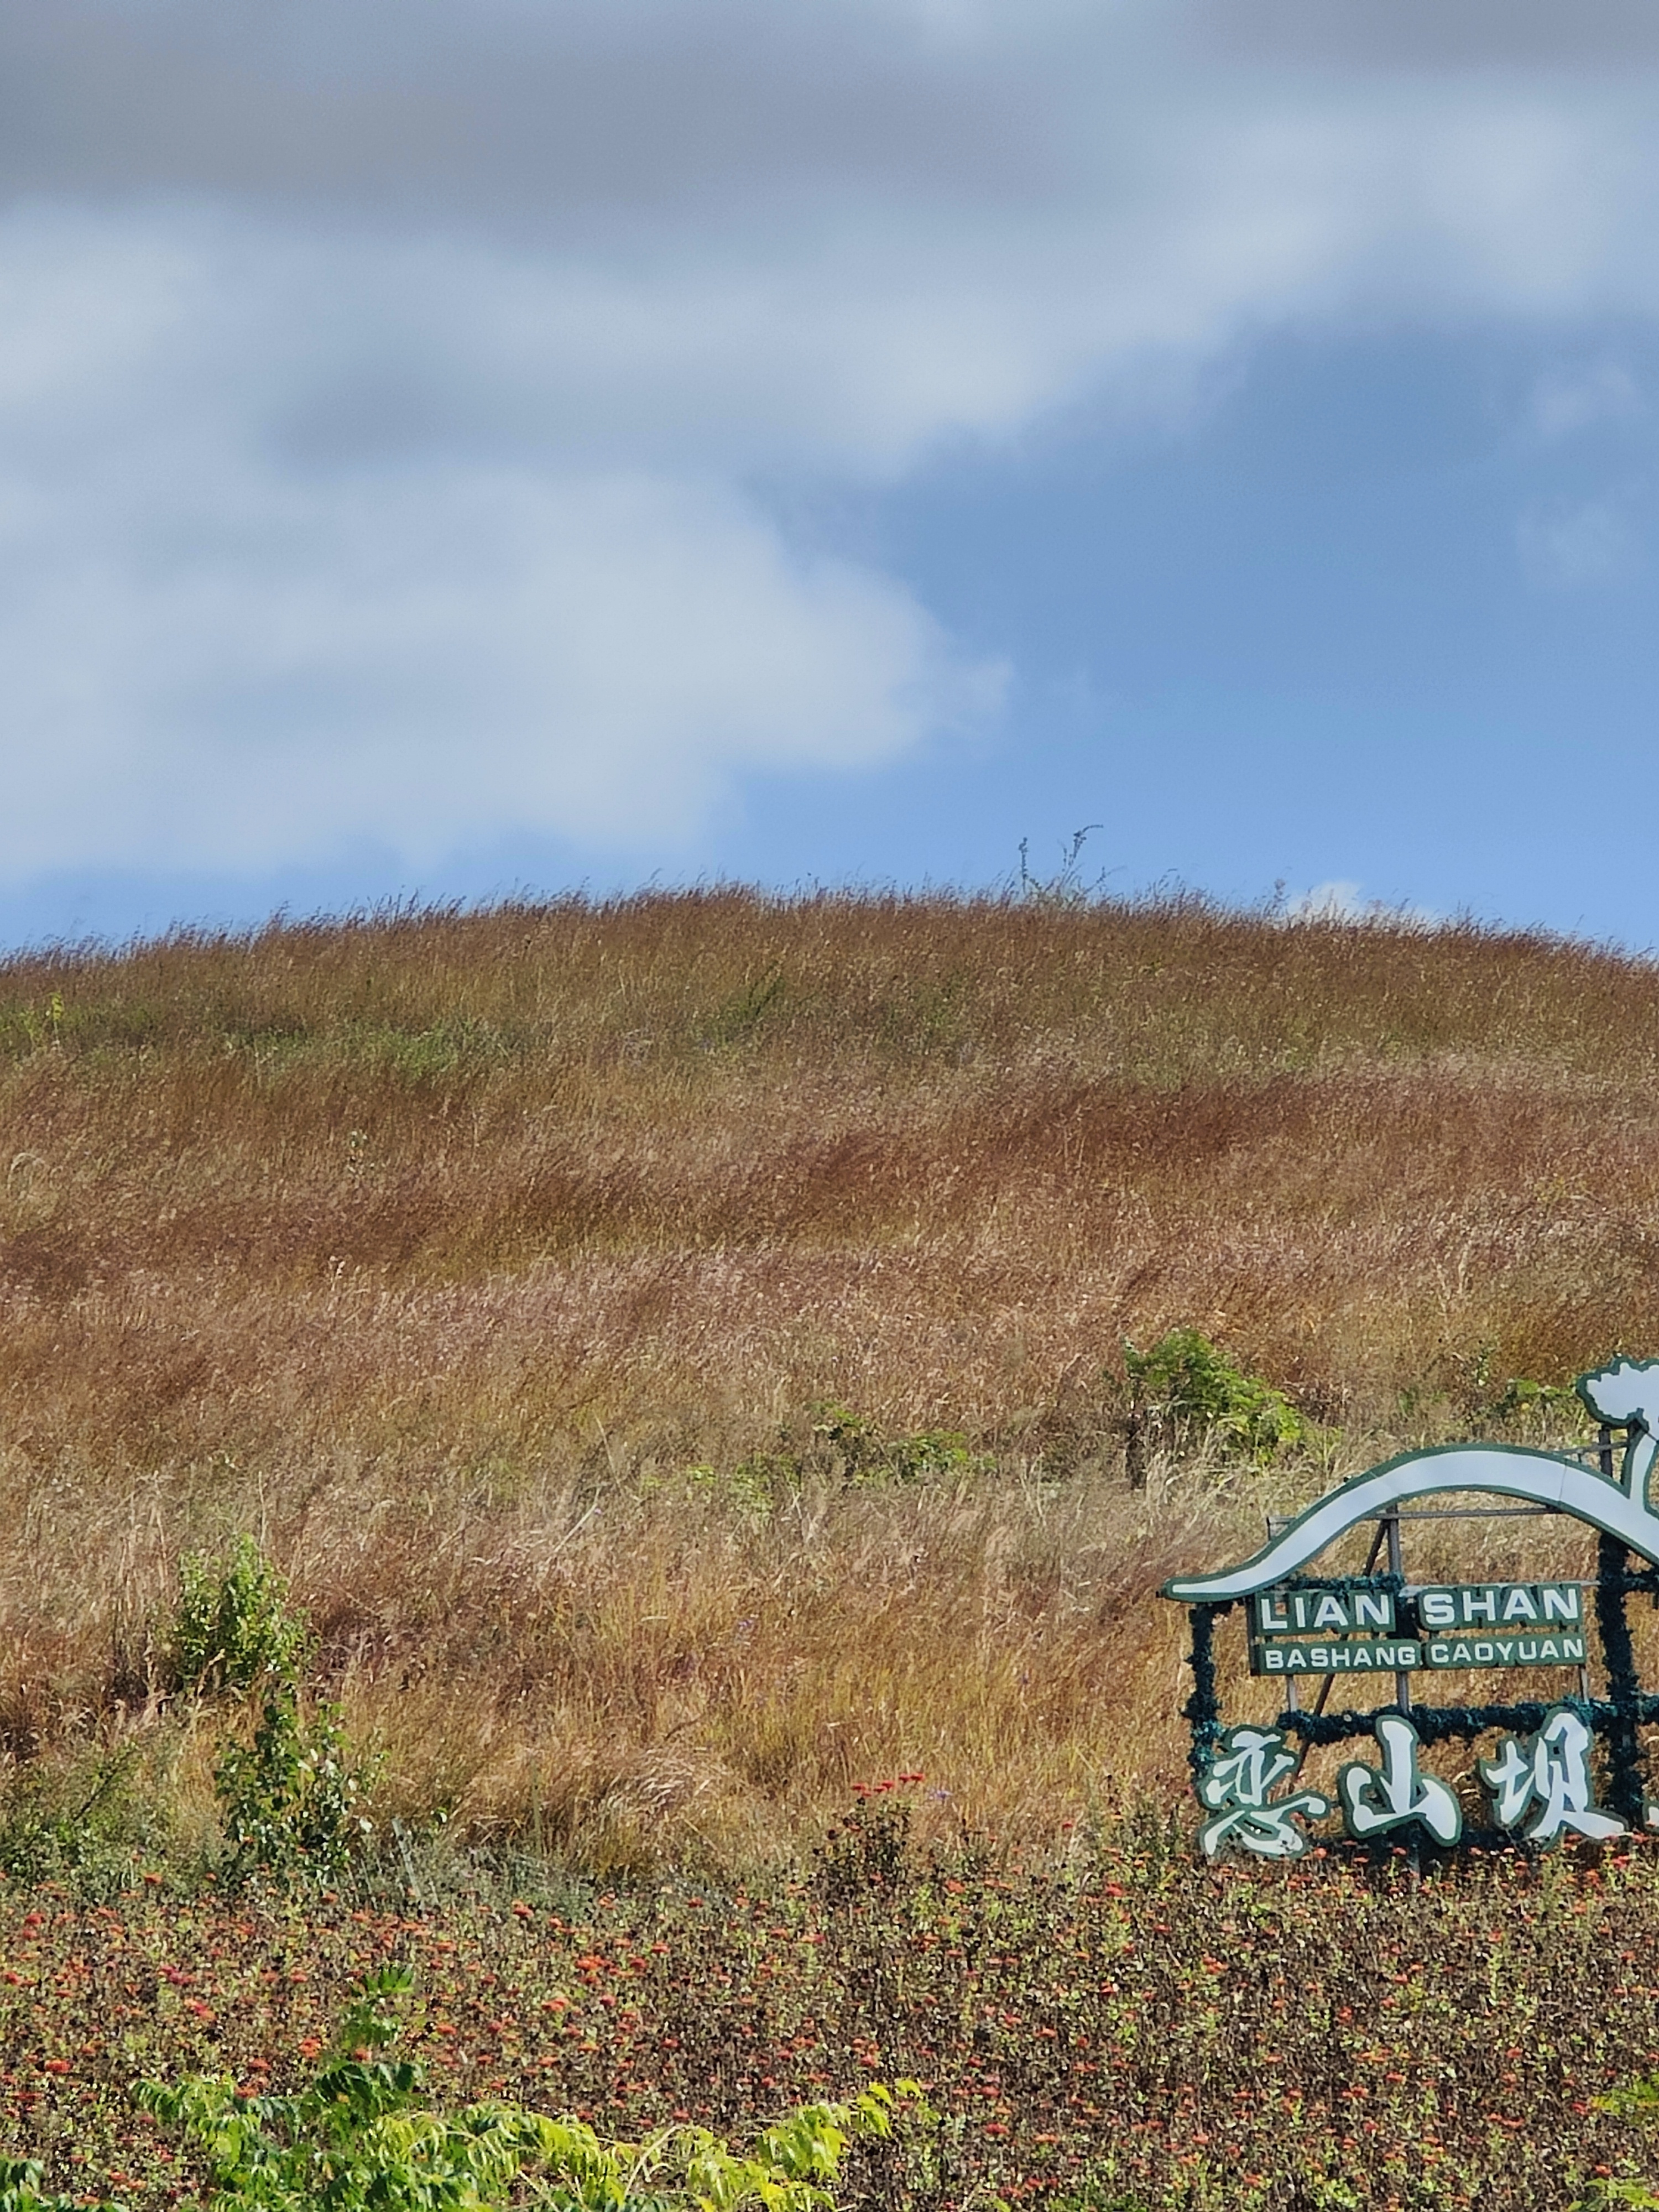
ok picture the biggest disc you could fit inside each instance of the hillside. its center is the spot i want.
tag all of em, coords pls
(675, 1346)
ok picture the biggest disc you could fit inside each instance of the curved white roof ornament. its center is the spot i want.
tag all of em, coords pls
(1623, 1395)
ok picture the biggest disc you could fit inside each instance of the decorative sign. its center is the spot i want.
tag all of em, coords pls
(1539, 1786)
(1295, 1612)
(1462, 1652)
(1377, 1799)
(1308, 1630)
(1620, 1509)
(1238, 1786)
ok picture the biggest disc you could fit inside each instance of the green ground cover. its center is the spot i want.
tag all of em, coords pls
(1125, 2029)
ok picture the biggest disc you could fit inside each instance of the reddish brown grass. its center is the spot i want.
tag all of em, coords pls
(436, 1248)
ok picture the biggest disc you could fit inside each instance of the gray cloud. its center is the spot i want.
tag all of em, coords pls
(388, 393)
(1448, 35)
(549, 122)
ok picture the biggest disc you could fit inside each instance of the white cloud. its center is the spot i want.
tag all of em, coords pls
(1571, 399)
(389, 398)
(253, 606)
(1340, 902)
(1580, 543)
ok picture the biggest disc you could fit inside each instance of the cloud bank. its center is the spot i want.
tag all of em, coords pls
(405, 412)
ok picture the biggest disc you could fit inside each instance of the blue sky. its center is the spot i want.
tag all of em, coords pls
(659, 441)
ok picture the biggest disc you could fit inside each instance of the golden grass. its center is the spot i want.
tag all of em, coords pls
(434, 1249)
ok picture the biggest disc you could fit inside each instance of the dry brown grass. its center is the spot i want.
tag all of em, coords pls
(436, 1248)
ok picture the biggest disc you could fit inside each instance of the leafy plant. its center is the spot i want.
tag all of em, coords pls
(1080, 2021)
(288, 1795)
(1537, 1404)
(21, 2190)
(234, 1626)
(361, 2135)
(857, 1449)
(290, 1800)
(837, 1445)
(1636, 2100)
(1184, 1383)
(929, 1454)
(70, 1817)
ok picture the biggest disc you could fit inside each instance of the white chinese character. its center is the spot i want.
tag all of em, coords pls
(1553, 1768)
(1374, 1801)
(1236, 1787)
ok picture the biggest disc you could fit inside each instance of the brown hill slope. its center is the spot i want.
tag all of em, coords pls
(674, 1345)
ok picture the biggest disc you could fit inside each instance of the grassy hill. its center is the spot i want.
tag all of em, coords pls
(675, 1346)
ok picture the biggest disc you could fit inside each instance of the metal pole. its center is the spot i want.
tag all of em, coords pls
(1402, 1680)
(1324, 1696)
(1624, 1744)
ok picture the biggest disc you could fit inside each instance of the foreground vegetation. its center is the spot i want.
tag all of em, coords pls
(1123, 2031)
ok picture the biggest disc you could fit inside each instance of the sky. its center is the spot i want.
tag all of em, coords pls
(455, 448)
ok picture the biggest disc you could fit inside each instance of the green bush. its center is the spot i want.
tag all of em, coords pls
(233, 1627)
(834, 1444)
(289, 1801)
(1636, 2100)
(1185, 1386)
(80, 1816)
(1524, 1404)
(21, 2190)
(287, 1789)
(857, 1449)
(360, 2135)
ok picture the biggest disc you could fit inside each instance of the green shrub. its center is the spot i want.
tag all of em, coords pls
(929, 1454)
(289, 1801)
(287, 1789)
(1186, 1386)
(360, 2135)
(1523, 1403)
(858, 1451)
(834, 1444)
(1636, 2100)
(234, 1627)
(21, 2190)
(81, 1815)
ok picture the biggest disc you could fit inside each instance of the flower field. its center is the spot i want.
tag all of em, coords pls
(1125, 2029)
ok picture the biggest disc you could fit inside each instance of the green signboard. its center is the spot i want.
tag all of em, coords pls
(1406, 1655)
(1322, 1613)
(1325, 1656)
(1537, 1651)
(1464, 1625)
(1481, 1608)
